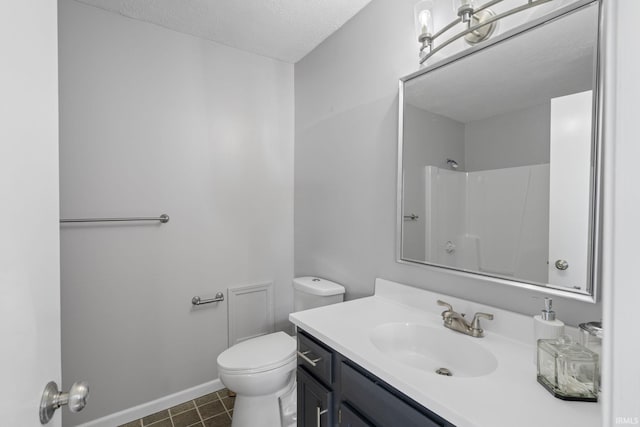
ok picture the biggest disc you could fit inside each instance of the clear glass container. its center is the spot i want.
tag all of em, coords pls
(568, 370)
(591, 337)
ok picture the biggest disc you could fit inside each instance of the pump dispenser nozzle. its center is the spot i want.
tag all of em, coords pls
(547, 313)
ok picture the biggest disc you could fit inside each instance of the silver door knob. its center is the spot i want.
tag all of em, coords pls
(562, 264)
(52, 399)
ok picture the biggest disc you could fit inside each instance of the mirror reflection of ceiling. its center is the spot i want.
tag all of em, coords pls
(284, 29)
(555, 60)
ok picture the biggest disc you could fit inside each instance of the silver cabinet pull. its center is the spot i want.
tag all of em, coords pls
(52, 399)
(319, 412)
(304, 357)
(562, 264)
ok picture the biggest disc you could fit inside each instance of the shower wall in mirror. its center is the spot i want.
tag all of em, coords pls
(498, 158)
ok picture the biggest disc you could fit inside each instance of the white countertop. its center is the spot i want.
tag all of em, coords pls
(509, 396)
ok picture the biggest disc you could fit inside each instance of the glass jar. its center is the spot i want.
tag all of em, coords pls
(568, 370)
(591, 337)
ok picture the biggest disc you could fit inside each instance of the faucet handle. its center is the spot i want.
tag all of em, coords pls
(445, 304)
(475, 323)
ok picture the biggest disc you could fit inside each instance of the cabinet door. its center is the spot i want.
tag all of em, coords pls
(348, 418)
(315, 402)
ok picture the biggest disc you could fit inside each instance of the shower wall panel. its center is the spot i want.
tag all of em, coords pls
(492, 221)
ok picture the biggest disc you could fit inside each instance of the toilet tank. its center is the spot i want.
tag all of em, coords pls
(310, 292)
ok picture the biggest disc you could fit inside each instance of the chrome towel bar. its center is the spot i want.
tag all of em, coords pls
(164, 218)
(197, 301)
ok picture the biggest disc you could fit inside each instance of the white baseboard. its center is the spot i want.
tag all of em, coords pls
(154, 406)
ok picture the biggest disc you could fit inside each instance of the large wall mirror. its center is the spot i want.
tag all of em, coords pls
(499, 158)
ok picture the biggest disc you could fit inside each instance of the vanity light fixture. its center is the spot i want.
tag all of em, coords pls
(479, 20)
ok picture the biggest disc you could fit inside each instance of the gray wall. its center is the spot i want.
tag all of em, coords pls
(154, 121)
(517, 138)
(429, 139)
(345, 165)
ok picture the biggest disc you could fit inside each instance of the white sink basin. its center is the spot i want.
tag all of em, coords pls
(430, 349)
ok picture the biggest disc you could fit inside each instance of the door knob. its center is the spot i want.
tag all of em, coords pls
(52, 399)
(562, 264)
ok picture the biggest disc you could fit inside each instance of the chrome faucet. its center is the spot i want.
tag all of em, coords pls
(457, 322)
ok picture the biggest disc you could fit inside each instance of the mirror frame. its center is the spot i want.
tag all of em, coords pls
(594, 274)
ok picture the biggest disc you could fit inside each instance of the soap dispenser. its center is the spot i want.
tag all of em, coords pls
(546, 326)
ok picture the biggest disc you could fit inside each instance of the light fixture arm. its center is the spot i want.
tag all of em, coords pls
(488, 18)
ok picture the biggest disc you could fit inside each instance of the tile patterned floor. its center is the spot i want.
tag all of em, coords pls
(212, 410)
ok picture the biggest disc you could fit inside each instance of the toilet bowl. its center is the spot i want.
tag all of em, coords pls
(260, 370)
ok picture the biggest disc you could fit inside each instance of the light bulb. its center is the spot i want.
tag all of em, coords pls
(424, 19)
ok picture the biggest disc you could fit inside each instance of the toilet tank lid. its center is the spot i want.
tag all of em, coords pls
(317, 286)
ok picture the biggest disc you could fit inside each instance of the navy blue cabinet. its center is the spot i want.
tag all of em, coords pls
(334, 391)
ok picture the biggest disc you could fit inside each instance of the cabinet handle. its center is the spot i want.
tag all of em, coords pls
(304, 357)
(319, 412)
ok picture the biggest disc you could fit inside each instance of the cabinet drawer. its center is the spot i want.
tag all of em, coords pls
(370, 397)
(315, 357)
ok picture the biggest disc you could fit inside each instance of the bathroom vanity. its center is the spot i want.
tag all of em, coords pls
(331, 387)
(373, 361)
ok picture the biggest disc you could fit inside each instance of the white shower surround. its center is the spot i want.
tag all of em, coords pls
(511, 241)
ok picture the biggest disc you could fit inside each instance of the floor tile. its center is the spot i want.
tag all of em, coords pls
(183, 407)
(185, 419)
(164, 423)
(207, 398)
(216, 409)
(155, 417)
(221, 420)
(223, 393)
(229, 402)
(211, 409)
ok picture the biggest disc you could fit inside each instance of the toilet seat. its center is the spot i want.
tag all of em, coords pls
(260, 354)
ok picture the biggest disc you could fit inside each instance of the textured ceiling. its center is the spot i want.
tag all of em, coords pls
(282, 29)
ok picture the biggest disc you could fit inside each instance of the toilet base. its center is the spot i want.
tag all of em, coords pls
(251, 411)
(264, 411)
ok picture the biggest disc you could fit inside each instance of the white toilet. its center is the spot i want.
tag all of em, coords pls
(262, 369)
